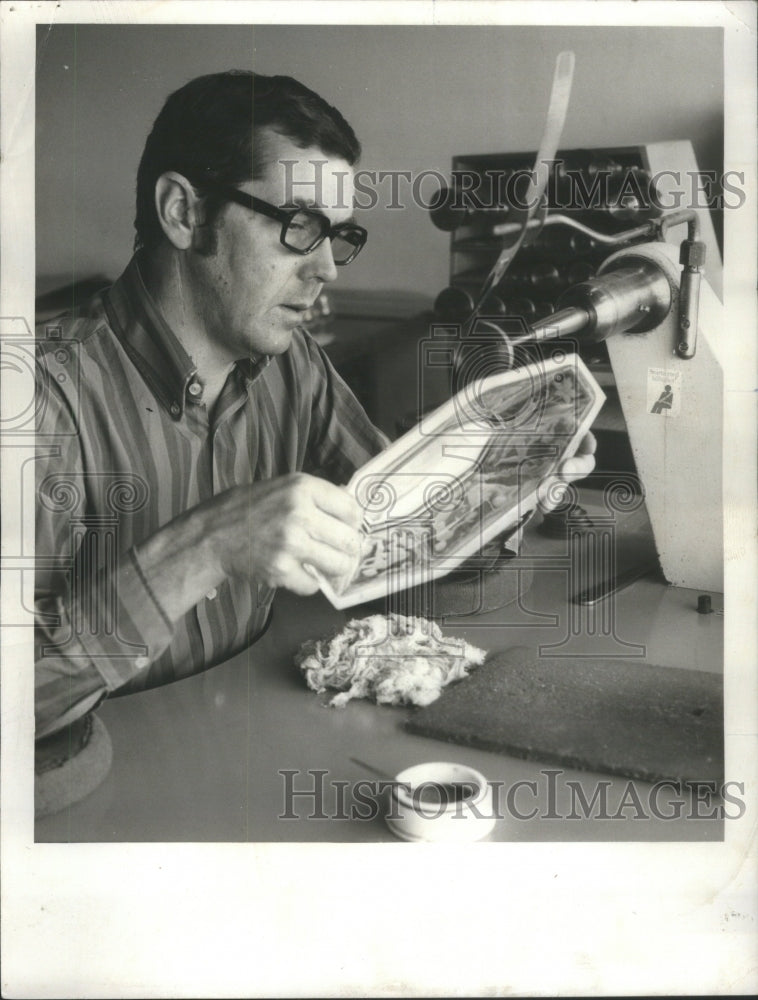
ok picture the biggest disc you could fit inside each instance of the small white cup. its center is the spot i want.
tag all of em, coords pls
(441, 802)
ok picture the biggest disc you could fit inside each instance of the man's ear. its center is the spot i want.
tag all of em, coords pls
(177, 207)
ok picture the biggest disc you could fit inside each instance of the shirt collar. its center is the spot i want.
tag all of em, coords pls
(155, 350)
(251, 368)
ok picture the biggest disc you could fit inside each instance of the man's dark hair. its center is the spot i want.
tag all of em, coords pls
(205, 131)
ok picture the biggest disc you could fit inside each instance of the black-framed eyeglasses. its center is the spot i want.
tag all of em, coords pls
(303, 229)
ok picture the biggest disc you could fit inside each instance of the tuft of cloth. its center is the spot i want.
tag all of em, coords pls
(391, 659)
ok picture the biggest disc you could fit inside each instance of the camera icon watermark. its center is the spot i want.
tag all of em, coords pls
(29, 364)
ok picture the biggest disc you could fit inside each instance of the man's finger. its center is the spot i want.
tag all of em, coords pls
(336, 501)
(302, 580)
(330, 562)
(588, 444)
(577, 467)
(328, 530)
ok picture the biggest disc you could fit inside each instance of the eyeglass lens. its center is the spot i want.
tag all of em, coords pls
(306, 229)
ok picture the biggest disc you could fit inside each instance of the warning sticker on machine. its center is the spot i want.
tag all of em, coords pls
(664, 392)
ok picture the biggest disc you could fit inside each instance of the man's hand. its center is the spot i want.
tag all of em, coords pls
(271, 531)
(552, 489)
(266, 532)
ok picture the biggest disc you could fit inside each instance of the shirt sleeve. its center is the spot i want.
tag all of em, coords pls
(342, 438)
(97, 622)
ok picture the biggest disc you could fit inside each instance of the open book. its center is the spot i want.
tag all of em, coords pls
(467, 472)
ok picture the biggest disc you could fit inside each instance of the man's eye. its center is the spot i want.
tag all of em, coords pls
(304, 222)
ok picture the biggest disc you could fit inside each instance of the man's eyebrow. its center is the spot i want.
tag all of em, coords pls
(312, 206)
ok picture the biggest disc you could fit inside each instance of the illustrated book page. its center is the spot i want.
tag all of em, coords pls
(469, 471)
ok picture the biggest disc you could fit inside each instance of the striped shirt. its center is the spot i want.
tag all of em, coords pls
(124, 445)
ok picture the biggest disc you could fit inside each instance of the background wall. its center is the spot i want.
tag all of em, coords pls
(416, 96)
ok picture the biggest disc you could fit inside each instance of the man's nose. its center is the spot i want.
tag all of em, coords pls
(320, 263)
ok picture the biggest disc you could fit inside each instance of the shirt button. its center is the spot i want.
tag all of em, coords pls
(141, 662)
(175, 409)
(211, 593)
(195, 389)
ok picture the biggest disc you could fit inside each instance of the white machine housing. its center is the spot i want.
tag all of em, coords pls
(677, 444)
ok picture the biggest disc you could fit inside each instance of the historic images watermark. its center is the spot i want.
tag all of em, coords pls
(546, 797)
(569, 188)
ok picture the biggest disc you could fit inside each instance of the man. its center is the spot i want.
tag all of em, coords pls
(192, 436)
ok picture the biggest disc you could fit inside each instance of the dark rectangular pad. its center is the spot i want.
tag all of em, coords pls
(615, 716)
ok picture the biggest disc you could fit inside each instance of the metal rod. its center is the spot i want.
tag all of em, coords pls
(561, 324)
(677, 218)
(646, 229)
(373, 770)
(649, 228)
